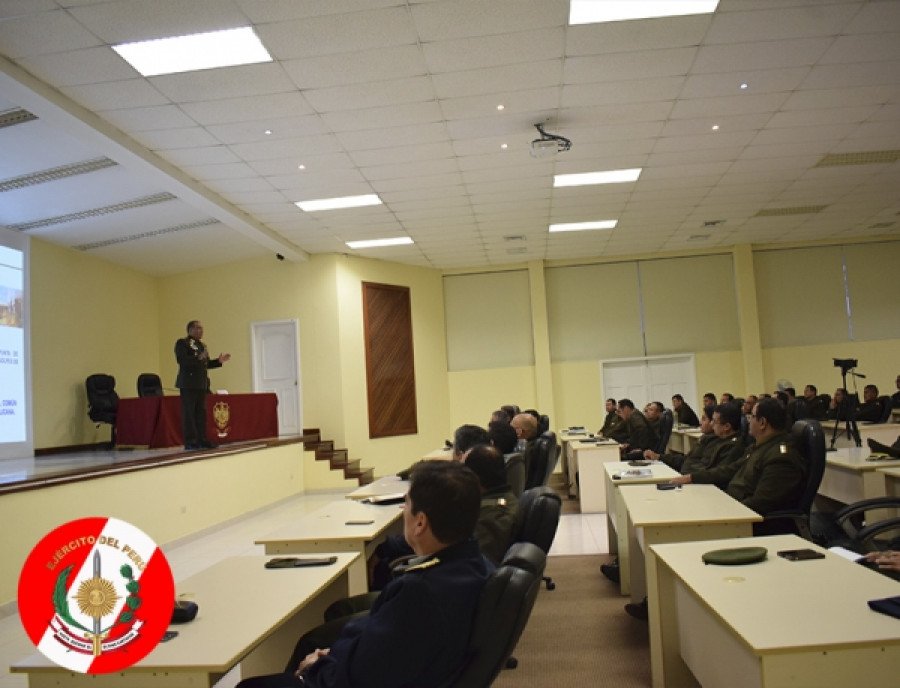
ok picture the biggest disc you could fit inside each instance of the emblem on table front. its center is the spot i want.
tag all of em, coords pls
(222, 418)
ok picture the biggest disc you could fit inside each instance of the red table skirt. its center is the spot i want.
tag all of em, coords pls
(156, 421)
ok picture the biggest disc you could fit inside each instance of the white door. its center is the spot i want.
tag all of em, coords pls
(276, 368)
(649, 379)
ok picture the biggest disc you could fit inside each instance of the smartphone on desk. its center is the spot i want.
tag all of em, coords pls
(800, 554)
(296, 562)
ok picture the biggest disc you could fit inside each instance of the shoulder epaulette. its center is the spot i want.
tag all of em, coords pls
(783, 448)
(434, 561)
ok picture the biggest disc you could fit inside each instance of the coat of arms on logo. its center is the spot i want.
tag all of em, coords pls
(96, 595)
(222, 418)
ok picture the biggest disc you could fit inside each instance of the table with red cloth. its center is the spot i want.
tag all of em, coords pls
(156, 421)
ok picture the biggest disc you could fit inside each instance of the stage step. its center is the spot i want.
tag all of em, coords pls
(338, 459)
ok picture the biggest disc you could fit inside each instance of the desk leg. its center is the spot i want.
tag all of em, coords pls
(637, 586)
(666, 665)
(622, 543)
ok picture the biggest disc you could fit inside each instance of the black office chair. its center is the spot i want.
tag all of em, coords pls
(103, 402)
(886, 407)
(515, 472)
(809, 439)
(537, 461)
(503, 610)
(666, 422)
(539, 510)
(797, 410)
(865, 526)
(543, 424)
(149, 385)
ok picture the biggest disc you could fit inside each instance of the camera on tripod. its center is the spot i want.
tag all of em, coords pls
(845, 364)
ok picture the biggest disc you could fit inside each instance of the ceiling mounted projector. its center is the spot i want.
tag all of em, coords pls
(548, 144)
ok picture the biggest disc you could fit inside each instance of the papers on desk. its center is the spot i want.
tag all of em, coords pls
(846, 553)
(386, 499)
(635, 473)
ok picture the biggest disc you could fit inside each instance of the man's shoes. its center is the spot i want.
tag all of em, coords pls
(883, 448)
(191, 447)
(206, 444)
(611, 571)
(638, 610)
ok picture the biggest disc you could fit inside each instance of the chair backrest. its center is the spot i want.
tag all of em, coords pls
(886, 408)
(515, 472)
(810, 442)
(149, 385)
(538, 459)
(503, 610)
(543, 424)
(666, 421)
(539, 510)
(103, 402)
(797, 410)
(745, 431)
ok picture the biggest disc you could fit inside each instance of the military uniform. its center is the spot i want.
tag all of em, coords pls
(769, 477)
(193, 382)
(497, 521)
(817, 408)
(639, 434)
(416, 633)
(870, 411)
(686, 416)
(610, 424)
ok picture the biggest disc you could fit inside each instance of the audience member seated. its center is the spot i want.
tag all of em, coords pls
(511, 410)
(720, 444)
(677, 460)
(816, 406)
(709, 399)
(839, 408)
(464, 438)
(418, 629)
(749, 403)
(497, 518)
(503, 436)
(871, 409)
(887, 562)
(500, 416)
(781, 397)
(612, 420)
(684, 414)
(895, 397)
(726, 398)
(771, 474)
(653, 413)
(636, 430)
(525, 426)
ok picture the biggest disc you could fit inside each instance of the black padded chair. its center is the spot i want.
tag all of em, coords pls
(539, 510)
(515, 472)
(809, 439)
(149, 385)
(542, 460)
(103, 402)
(543, 424)
(868, 525)
(503, 611)
(797, 410)
(887, 406)
(666, 422)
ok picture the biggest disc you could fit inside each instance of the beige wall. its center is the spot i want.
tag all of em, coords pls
(87, 316)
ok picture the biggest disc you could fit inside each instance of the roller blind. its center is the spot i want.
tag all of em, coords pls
(874, 302)
(488, 318)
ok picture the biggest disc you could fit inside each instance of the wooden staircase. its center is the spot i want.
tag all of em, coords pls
(338, 459)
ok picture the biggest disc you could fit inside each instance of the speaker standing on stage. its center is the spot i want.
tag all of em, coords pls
(193, 383)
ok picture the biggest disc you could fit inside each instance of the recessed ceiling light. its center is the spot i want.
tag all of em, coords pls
(335, 203)
(715, 127)
(198, 51)
(745, 85)
(268, 132)
(370, 243)
(501, 106)
(504, 146)
(597, 11)
(581, 226)
(301, 167)
(588, 178)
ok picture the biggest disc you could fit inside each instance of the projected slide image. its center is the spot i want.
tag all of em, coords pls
(12, 304)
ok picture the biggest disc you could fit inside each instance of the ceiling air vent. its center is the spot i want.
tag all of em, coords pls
(514, 237)
(796, 210)
(56, 173)
(861, 158)
(93, 212)
(147, 235)
(10, 118)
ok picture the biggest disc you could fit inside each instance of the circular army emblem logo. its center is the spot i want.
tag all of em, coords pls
(96, 595)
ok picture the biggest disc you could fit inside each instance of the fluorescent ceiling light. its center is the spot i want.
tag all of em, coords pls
(370, 243)
(335, 203)
(588, 178)
(198, 51)
(580, 226)
(597, 11)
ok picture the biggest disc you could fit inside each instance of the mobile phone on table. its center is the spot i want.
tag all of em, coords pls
(296, 562)
(359, 522)
(800, 554)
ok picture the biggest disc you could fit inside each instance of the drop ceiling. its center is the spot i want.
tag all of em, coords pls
(170, 173)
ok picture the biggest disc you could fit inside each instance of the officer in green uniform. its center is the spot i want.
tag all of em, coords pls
(612, 420)
(771, 474)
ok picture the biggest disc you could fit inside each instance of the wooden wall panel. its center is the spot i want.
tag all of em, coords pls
(390, 370)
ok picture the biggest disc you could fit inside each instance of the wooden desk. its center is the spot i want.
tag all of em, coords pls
(389, 484)
(248, 615)
(886, 433)
(695, 512)
(586, 461)
(891, 481)
(617, 515)
(683, 439)
(326, 530)
(566, 438)
(849, 478)
(774, 623)
(442, 454)
(155, 422)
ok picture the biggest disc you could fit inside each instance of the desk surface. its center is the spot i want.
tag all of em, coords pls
(893, 472)
(648, 506)
(779, 604)
(389, 484)
(241, 603)
(659, 472)
(855, 458)
(330, 523)
(441, 454)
